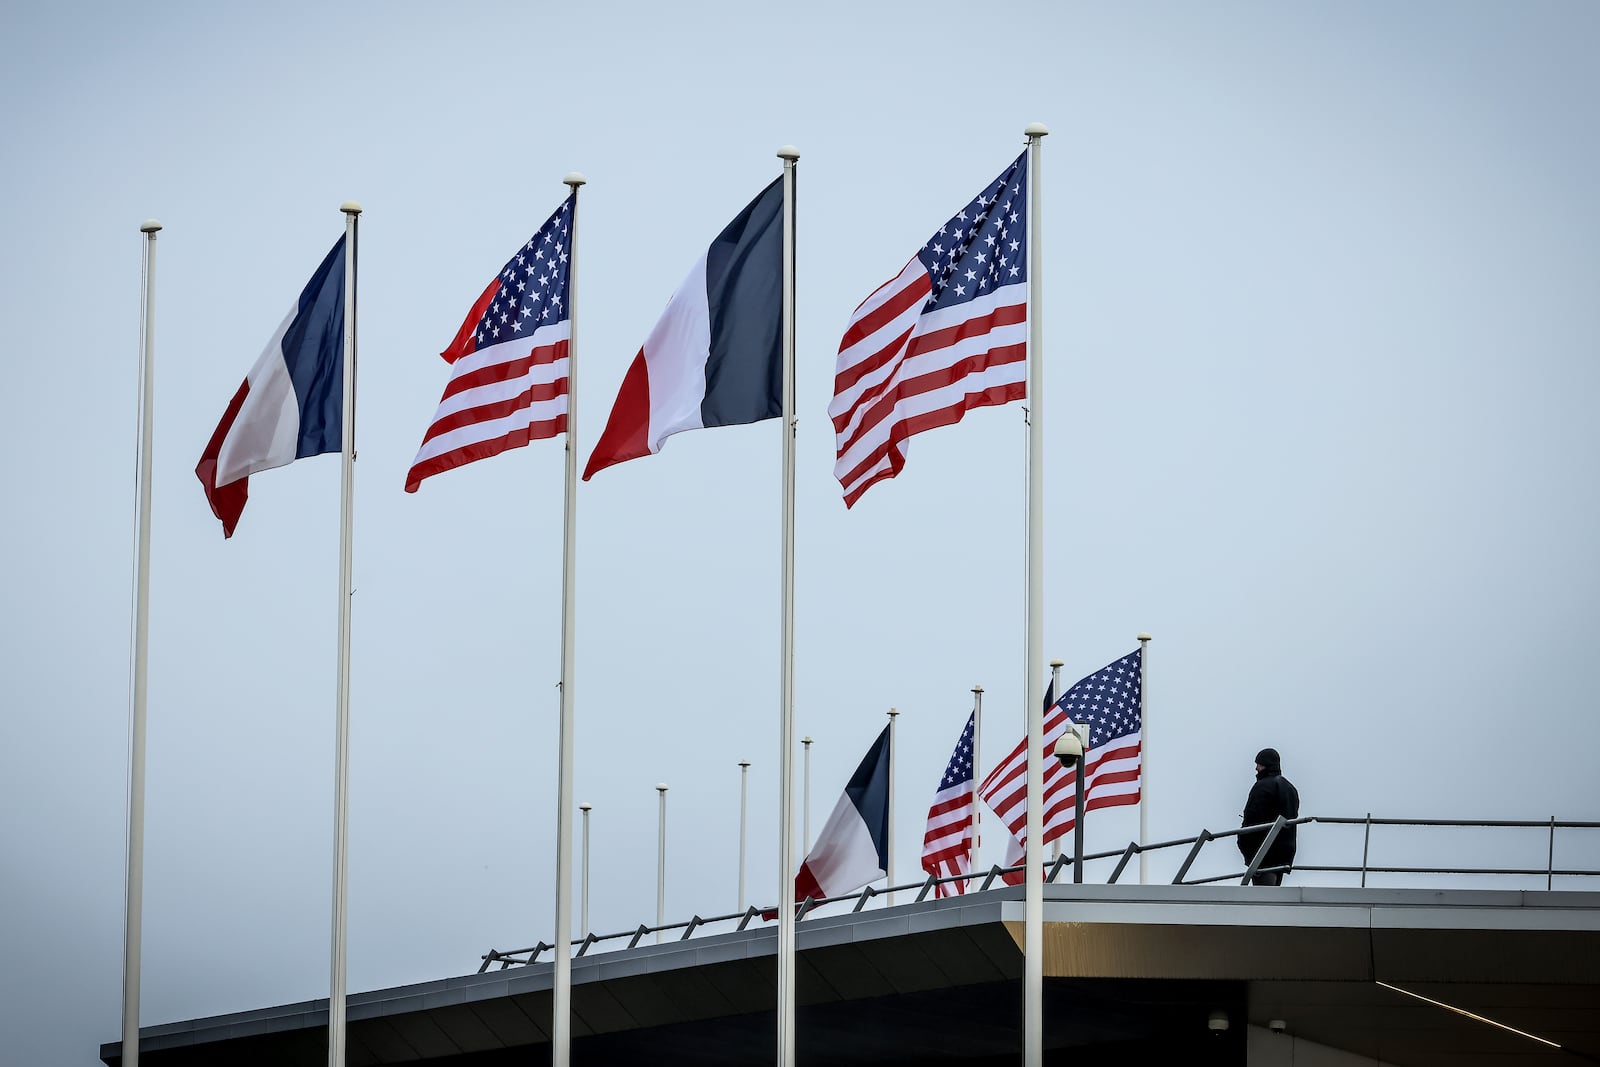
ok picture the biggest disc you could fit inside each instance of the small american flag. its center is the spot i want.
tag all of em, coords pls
(508, 378)
(947, 842)
(948, 334)
(1108, 702)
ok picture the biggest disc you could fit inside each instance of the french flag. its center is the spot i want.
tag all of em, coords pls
(853, 848)
(715, 358)
(291, 404)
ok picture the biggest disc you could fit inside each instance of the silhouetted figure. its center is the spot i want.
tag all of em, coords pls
(1272, 795)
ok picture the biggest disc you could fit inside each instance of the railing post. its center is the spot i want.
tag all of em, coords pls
(1255, 861)
(1366, 842)
(1199, 843)
(1127, 854)
(1550, 871)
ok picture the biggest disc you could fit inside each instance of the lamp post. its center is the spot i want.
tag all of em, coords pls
(744, 793)
(1070, 749)
(583, 923)
(661, 863)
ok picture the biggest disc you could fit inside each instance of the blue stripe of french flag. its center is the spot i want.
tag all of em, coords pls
(291, 404)
(715, 358)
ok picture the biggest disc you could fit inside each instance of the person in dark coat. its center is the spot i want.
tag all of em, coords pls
(1272, 795)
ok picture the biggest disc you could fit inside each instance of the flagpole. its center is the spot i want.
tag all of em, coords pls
(584, 923)
(661, 859)
(1144, 747)
(1033, 905)
(341, 786)
(786, 966)
(133, 925)
(977, 774)
(806, 802)
(561, 986)
(744, 799)
(1053, 695)
(888, 858)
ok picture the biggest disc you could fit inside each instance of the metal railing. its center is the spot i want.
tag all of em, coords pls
(1053, 869)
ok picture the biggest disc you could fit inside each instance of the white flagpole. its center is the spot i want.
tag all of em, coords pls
(561, 987)
(1054, 695)
(1033, 907)
(786, 998)
(894, 717)
(977, 774)
(1144, 746)
(341, 776)
(133, 927)
(661, 860)
(744, 807)
(806, 801)
(584, 923)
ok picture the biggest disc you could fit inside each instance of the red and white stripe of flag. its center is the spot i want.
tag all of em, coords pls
(901, 371)
(947, 841)
(1112, 780)
(498, 398)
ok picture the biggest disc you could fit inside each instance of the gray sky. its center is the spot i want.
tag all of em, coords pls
(1321, 337)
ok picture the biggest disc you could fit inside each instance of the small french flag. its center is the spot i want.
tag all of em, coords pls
(291, 404)
(715, 358)
(853, 848)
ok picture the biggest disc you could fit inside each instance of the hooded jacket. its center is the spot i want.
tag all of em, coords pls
(1272, 795)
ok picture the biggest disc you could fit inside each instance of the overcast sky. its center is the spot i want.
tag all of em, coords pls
(1321, 341)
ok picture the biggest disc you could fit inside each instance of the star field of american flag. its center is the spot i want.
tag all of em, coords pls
(533, 285)
(984, 245)
(1107, 700)
(960, 768)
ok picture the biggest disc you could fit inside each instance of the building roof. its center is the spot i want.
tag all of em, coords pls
(1127, 967)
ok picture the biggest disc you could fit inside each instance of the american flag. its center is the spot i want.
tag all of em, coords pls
(508, 378)
(1016, 851)
(946, 335)
(947, 842)
(1108, 702)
